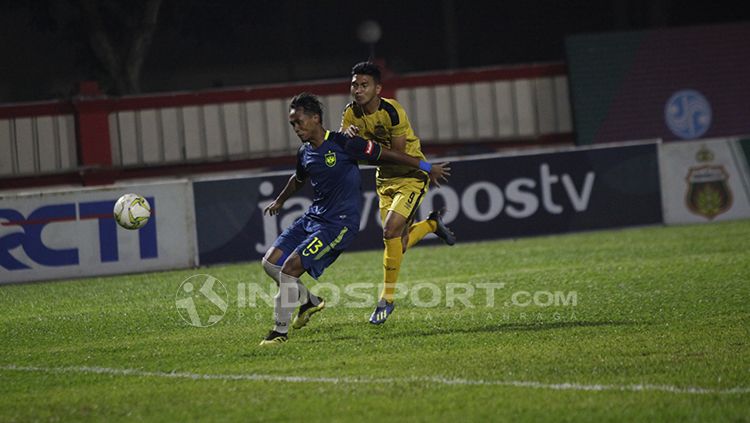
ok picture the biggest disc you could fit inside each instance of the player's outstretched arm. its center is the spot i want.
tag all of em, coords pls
(292, 186)
(437, 172)
(369, 150)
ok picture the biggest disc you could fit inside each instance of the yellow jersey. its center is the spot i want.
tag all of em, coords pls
(388, 122)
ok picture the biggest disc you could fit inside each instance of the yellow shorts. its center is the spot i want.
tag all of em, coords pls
(401, 195)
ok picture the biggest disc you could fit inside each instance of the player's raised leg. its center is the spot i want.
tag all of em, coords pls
(433, 224)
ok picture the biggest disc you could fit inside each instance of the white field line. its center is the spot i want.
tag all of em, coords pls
(436, 380)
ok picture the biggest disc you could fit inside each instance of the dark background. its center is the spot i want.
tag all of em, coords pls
(45, 45)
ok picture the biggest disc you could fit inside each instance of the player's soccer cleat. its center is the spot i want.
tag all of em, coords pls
(306, 311)
(274, 338)
(442, 231)
(382, 311)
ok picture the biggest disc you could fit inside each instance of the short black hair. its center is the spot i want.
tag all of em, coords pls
(367, 68)
(309, 102)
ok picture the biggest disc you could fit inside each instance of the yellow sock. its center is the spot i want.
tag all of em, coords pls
(392, 257)
(419, 230)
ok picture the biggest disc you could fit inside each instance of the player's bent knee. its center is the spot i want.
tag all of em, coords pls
(393, 231)
(271, 269)
(394, 225)
(388, 234)
(273, 255)
(293, 266)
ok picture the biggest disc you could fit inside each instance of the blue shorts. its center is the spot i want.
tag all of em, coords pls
(318, 244)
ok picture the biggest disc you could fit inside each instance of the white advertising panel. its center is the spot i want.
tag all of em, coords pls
(71, 233)
(704, 181)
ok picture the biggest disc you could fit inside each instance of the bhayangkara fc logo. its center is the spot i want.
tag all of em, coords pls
(687, 114)
(708, 192)
(201, 300)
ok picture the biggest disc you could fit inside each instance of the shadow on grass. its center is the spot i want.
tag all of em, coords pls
(386, 332)
(520, 327)
(367, 332)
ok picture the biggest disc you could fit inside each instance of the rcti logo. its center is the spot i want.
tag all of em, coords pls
(688, 114)
(28, 233)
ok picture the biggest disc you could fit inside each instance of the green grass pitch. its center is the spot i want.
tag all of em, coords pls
(644, 324)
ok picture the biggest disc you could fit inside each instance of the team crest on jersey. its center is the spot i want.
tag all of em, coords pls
(330, 159)
(380, 132)
(708, 191)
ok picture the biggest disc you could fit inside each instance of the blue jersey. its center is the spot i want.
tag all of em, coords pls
(334, 174)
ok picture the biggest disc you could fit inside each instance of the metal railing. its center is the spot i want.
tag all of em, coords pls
(522, 102)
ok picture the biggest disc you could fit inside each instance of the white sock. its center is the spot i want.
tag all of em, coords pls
(272, 270)
(285, 302)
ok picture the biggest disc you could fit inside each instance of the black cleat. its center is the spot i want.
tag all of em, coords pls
(274, 338)
(306, 311)
(442, 231)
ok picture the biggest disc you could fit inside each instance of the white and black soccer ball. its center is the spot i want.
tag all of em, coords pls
(132, 211)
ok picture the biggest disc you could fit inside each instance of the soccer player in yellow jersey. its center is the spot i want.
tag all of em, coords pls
(400, 188)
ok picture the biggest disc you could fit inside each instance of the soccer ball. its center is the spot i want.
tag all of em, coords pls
(132, 211)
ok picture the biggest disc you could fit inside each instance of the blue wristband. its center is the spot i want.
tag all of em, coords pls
(426, 166)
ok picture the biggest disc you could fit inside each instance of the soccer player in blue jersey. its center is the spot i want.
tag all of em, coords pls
(314, 241)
